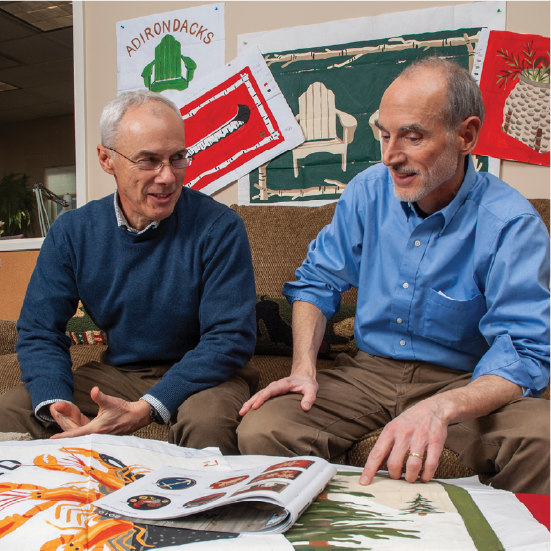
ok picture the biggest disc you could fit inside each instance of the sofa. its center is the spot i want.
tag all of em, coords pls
(279, 237)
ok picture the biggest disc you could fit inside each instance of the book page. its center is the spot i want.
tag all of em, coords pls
(171, 492)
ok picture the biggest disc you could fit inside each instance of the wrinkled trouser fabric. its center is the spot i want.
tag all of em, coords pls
(509, 448)
(207, 418)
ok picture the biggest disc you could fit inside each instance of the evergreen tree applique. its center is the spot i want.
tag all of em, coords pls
(420, 505)
(344, 524)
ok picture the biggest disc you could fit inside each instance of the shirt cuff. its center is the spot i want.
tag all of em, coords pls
(503, 360)
(42, 415)
(152, 401)
(292, 294)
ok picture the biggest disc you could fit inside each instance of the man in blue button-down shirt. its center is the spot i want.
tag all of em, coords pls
(452, 321)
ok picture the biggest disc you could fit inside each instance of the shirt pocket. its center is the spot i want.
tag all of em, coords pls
(452, 321)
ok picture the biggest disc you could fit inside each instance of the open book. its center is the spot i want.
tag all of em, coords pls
(267, 499)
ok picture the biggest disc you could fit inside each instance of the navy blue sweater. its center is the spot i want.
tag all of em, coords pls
(180, 294)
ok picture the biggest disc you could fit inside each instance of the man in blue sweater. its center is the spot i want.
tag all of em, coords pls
(167, 273)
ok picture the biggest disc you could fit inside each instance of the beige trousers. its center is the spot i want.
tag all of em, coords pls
(207, 418)
(509, 447)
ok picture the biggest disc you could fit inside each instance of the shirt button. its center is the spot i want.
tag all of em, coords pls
(399, 320)
(405, 285)
(402, 343)
(418, 243)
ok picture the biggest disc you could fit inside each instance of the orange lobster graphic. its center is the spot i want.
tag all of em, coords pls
(91, 531)
(96, 533)
(117, 476)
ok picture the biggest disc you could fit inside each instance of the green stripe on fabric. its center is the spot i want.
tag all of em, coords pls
(478, 527)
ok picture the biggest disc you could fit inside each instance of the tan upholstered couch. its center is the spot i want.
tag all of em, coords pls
(279, 237)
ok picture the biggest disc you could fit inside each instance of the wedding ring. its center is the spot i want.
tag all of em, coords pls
(420, 456)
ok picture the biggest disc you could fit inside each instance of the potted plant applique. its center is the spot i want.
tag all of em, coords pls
(16, 203)
(526, 110)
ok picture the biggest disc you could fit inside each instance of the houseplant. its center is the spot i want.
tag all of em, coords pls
(16, 203)
(526, 65)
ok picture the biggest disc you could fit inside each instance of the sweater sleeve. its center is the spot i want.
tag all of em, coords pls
(226, 316)
(50, 301)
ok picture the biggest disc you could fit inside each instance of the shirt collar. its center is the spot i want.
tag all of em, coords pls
(123, 223)
(448, 212)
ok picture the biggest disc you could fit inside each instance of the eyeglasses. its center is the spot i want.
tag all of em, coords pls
(156, 164)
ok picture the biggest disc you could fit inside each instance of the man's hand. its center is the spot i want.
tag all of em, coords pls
(67, 415)
(298, 382)
(422, 428)
(308, 328)
(115, 416)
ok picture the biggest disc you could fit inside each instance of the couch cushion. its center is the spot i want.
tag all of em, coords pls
(8, 336)
(86, 353)
(542, 206)
(274, 335)
(279, 238)
(11, 374)
(153, 432)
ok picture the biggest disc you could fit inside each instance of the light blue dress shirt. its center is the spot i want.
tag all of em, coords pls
(466, 288)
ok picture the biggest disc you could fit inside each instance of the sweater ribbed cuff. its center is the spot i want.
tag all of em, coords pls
(163, 412)
(46, 417)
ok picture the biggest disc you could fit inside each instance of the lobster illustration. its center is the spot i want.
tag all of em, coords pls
(86, 529)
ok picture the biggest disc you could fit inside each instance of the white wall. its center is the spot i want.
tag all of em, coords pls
(244, 17)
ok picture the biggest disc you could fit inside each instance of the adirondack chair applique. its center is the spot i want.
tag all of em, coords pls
(376, 132)
(168, 67)
(318, 120)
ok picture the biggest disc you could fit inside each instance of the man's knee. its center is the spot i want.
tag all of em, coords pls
(255, 428)
(204, 413)
(273, 429)
(209, 418)
(18, 414)
(13, 402)
(509, 448)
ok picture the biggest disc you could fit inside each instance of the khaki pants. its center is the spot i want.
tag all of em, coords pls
(207, 418)
(509, 447)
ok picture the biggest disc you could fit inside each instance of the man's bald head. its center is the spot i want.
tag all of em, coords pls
(463, 97)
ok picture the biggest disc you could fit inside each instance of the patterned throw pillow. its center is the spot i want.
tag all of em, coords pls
(274, 335)
(82, 330)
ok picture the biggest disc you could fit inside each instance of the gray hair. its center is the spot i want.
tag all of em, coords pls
(115, 110)
(464, 98)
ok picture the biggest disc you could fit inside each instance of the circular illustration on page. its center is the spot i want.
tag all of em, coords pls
(204, 500)
(299, 463)
(145, 502)
(264, 487)
(175, 483)
(228, 482)
(284, 473)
